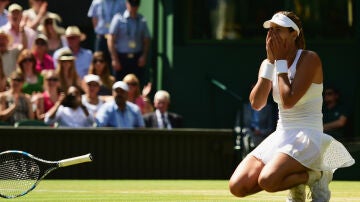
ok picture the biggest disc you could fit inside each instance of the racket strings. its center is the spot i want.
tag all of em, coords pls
(18, 175)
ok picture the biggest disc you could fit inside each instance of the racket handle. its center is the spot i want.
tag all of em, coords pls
(75, 160)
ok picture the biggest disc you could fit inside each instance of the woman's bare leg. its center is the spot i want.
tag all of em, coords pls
(281, 173)
(244, 180)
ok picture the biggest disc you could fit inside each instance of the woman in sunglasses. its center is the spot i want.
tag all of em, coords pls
(45, 100)
(15, 106)
(100, 67)
(27, 65)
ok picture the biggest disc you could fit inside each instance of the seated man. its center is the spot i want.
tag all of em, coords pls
(162, 118)
(335, 115)
(119, 112)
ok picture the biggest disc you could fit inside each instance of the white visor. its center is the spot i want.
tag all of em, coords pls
(282, 20)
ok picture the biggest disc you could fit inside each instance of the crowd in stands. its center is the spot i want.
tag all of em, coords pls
(47, 76)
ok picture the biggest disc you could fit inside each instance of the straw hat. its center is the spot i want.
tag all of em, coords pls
(55, 20)
(66, 54)
(74, 31)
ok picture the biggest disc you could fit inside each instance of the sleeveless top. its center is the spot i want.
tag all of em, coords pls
(21, 111)
(307, 111)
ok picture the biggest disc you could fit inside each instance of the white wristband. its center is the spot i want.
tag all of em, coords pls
(281, 66)
(266, 70)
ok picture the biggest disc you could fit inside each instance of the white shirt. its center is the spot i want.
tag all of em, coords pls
(68, 117)
(161, 121)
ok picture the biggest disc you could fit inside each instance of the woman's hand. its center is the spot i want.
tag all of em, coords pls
(278, 46)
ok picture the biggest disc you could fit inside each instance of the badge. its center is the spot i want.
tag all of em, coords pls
(132, 44)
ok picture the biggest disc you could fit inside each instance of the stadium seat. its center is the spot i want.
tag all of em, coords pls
(30, 123)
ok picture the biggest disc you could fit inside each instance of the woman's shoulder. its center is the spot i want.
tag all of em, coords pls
(309, 54)
(310, 58)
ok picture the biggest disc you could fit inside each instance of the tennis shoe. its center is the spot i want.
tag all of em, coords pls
(320, 191)
(297, 194)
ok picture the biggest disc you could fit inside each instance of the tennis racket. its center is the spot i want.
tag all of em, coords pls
(21, 172)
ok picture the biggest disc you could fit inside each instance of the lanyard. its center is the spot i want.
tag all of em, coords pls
(132, 33)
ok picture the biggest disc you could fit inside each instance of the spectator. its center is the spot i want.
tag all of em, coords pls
(83, 56)
(66, 70)
(91, 100)
(99, 66)
(47, 99)
(119, 112)
(3, 79)
(33, 79)
(68, 111)
(14, 104)
(36, 13)
(335, 114)
(162, 118)
(129, 42)
(54, 33)
(20, 34)
(257, 124)
(8, 55)
(135, 95)
(101, 14)
(3, 12)
(40, 49)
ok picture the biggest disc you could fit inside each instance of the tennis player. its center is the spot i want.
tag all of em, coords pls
(298, 153)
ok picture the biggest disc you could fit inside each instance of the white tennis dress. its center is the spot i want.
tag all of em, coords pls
(299, 132)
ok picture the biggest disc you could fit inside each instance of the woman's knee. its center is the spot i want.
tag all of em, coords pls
(268, 183)
(238, 189)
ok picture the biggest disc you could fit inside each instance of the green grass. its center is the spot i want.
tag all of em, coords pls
(163, 190)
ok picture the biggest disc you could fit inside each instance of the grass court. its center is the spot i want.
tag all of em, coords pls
(163, 190)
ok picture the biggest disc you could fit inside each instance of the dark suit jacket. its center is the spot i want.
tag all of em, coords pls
(151, 120)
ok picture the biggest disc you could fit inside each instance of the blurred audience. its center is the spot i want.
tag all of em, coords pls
(3, 12)
(135, 95)
(119, 112)
(33, 79)
(66, 70)
(15, 106)
(46, 100)
(91, 100)
(8, 55)
(83, 56)
(54, 33)
(101, 14)
(68, 111)
(129, 50)
(40, 51)
(20, 34)
(36, 13)
(162, 118)
(335, 113)
(3, 78)
(99, 67)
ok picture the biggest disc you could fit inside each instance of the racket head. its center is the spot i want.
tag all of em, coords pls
(20, 172)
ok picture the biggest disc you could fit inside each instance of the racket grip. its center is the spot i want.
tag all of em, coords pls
(75, 160)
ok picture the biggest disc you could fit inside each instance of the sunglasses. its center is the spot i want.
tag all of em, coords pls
(98, 60)
(132, 83)
(27, 60)
(40, 43)
(18, 79)
(93, 84)
(48, 22)
(52, 79)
